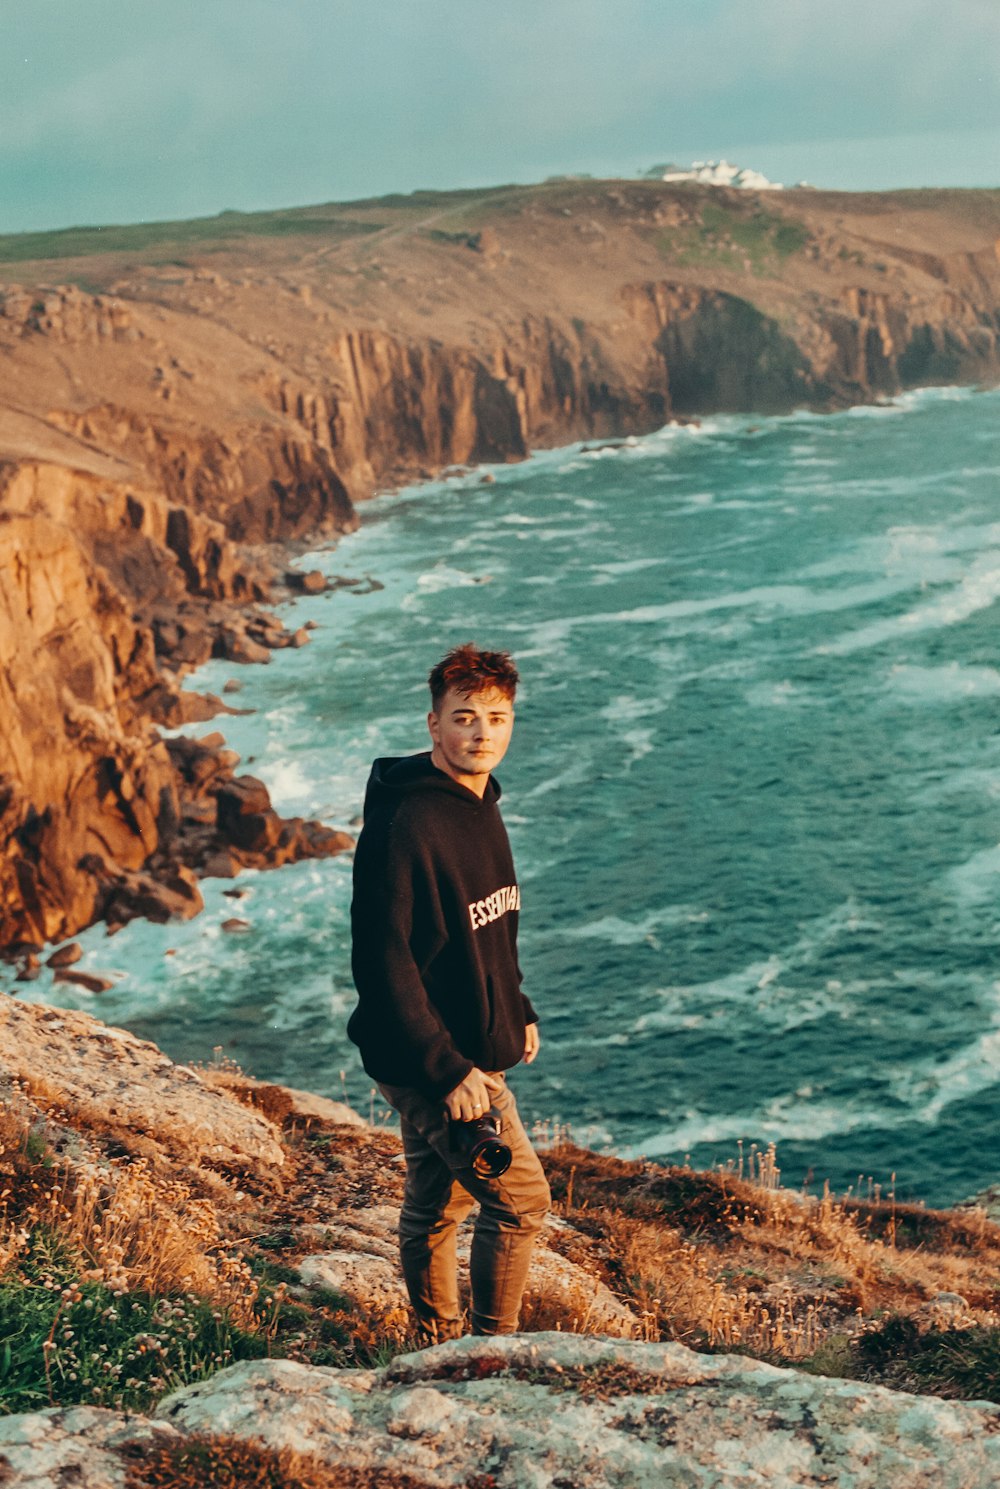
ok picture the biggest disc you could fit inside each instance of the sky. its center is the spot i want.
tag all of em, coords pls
(128, 110)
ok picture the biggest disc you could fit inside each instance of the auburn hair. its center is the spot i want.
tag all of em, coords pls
(468, 670)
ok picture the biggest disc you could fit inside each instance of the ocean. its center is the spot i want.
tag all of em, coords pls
(753, 792)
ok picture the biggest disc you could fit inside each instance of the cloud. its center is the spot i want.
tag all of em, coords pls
(240, 101)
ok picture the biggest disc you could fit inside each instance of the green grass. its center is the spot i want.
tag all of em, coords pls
(961, 1363)
(726, 236)
(142, 237)
(69, 1342)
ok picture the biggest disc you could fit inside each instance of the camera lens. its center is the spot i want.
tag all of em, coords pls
(481, 1145)
(490, 1158)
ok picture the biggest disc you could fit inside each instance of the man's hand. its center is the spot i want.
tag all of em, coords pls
(472, 1097)
(532, 1040)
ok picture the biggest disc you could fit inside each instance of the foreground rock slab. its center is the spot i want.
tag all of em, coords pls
(76, 1446)
(546, 1410)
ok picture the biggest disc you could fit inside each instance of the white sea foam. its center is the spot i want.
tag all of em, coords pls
(948, 684)
(875, 411)
(626, 707)
(977, 879)
(574, 775)
(778, 694)
(288, 783)
(921, 555)
(979, 589)
(777, 988)
(621, 932)
(443, 576)
(929, 1087)
(640, 743)
(785, 1119)
(629, 566)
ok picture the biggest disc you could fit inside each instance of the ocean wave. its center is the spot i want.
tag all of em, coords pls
(785, 1119)
(775, 989)
(619, 931)
(979, 589)
(977, 879)
(951, 683)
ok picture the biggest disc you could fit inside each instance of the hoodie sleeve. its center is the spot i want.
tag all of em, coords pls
(394, 891)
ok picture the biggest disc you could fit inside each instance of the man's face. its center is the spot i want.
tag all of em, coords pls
(471, 733)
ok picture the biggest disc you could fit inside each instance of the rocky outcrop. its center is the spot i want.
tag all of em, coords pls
(141, 1161)
(548, 1410)
(98, 1079)
(358, 1257)
(77, 781)
(102, 587)
(542, 1411)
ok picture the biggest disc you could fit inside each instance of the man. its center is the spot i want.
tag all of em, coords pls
(440, 1013)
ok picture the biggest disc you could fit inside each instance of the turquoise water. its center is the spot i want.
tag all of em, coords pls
(754, 790)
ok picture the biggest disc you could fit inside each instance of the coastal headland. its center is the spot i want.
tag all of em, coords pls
(180, 402)
(199, 1286)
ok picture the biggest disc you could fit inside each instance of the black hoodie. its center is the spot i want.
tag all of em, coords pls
(434, 922)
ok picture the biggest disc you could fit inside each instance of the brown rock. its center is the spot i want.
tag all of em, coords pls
(133, 895)
(236, 646)
(312, 583)
(242, 796)
(91, 981)
(236, 927)
(301, 637)
(65, 956)
(254, 832)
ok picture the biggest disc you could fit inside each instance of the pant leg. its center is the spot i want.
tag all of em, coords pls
(434, 1205)
(440, 1190)
(512, 1210)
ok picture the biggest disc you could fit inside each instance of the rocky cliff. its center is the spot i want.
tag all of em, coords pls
(172, 399)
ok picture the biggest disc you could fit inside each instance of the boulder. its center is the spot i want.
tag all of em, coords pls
(283, 1104)
(314, 582)
(550, 1410)
(66, 955)
(235, 645)
(91, 982)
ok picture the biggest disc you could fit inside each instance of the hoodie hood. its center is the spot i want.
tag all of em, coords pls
(395, 776)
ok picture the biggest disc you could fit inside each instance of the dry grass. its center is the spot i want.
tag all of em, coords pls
(114, 1220)
(730, 1261)
(200, 1461)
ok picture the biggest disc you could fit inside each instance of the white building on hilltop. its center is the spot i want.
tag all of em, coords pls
(715, 173)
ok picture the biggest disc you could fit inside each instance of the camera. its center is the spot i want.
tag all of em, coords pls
(480, 1143)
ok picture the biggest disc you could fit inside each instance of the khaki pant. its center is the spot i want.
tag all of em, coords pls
(441, 1190)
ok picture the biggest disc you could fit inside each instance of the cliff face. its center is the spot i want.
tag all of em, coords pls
(96, 581)
(164, 406)
(76, 780)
